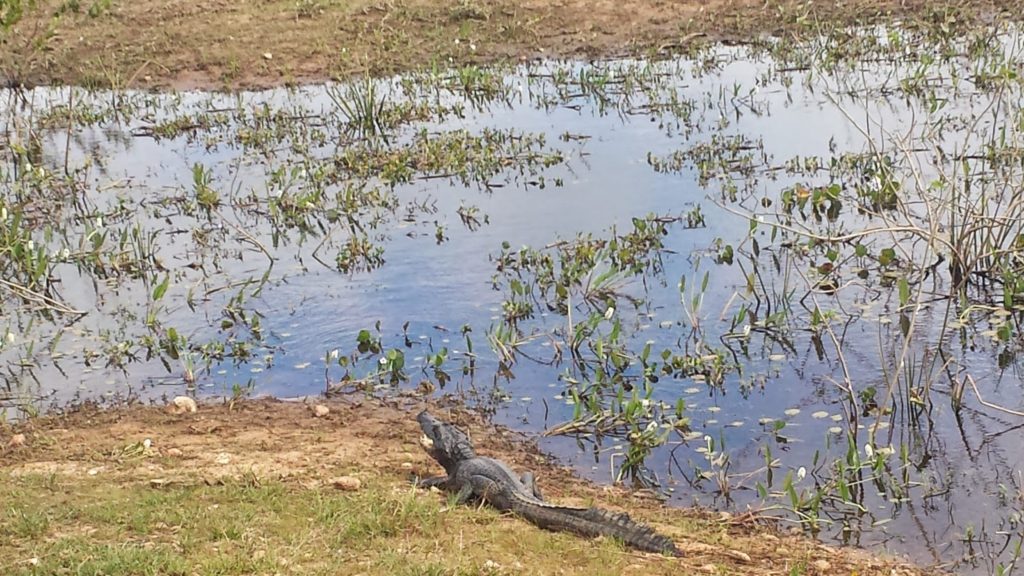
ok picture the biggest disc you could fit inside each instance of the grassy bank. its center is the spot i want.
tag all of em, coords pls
(253, 489)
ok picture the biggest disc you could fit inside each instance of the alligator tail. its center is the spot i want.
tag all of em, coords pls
(598, 522)
(631, 532)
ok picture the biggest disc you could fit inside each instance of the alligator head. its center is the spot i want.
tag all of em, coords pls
(444, 442)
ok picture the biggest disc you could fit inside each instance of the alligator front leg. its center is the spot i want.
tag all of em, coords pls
(439, 482)
(463, 492)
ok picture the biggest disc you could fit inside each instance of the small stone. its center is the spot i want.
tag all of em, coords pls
(268, 56)
(93, 471)
(182, 404)
(175, 453)
(822, 566)
(346, 483)
(223, 459)
(16, 440)
(321, 411)
(738, 555)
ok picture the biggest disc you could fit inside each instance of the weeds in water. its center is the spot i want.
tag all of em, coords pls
(895, 224)
(363, 106)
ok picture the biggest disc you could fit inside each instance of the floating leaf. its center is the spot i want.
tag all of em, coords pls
(886, 256)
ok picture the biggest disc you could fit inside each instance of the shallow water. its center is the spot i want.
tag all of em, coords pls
(960, 471)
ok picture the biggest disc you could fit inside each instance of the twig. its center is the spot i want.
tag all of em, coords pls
(249, 237)
(977, 394)
(138, 71)
(42, 298)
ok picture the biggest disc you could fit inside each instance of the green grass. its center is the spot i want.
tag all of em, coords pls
(91, 527)
(88, 526)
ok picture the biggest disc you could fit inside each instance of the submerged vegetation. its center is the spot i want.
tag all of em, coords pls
(786, 274)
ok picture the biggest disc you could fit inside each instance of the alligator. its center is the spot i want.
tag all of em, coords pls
(472, 477)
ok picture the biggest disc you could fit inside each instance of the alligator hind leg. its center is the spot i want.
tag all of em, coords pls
(531, 483)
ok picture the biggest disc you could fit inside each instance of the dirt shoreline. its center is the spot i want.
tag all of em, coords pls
(216, 44)
(262, 441)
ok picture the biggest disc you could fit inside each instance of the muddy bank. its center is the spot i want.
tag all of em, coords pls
(248, 44)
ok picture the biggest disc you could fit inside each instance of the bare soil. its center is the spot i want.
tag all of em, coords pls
(232, 44)
(376, 442)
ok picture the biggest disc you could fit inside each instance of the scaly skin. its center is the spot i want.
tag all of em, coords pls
(471, 476)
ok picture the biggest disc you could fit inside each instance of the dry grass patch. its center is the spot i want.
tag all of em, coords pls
(261, 43)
